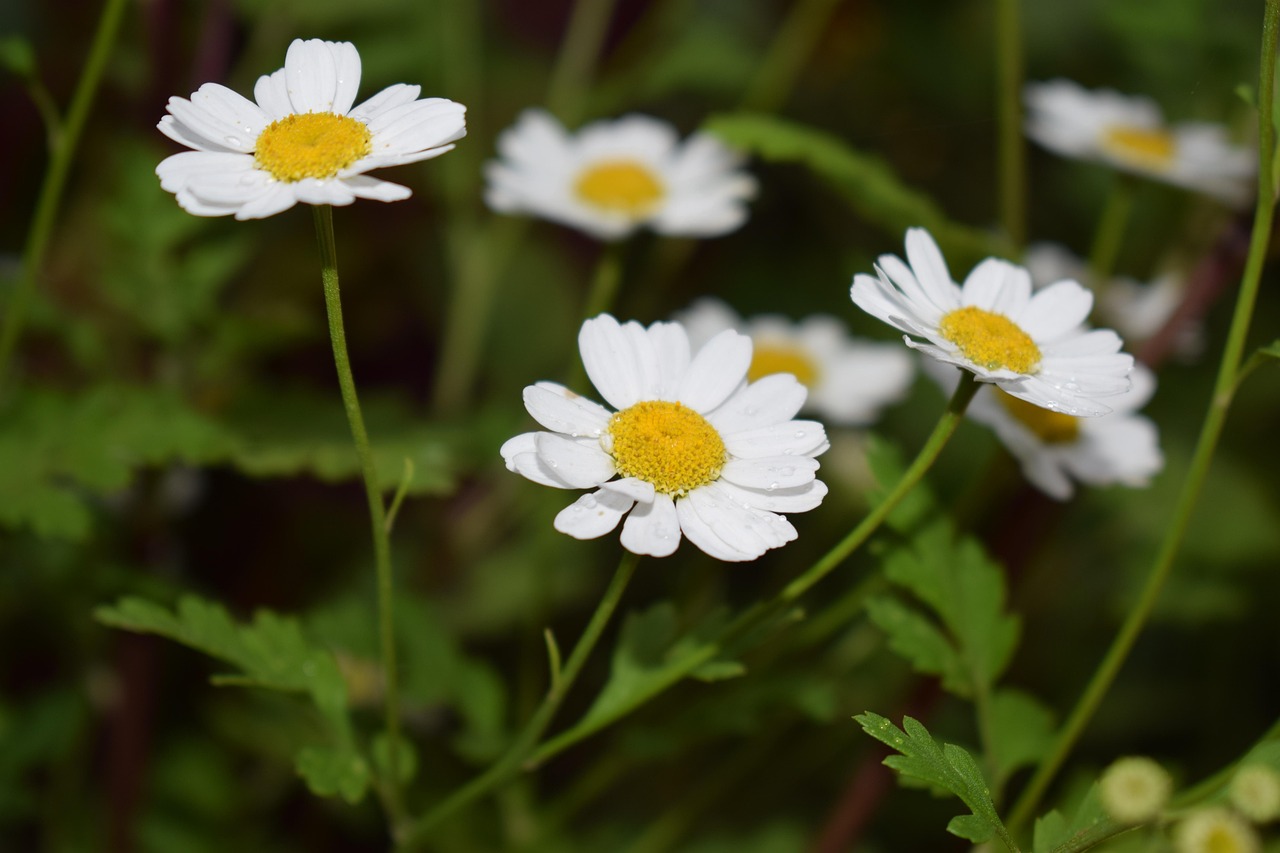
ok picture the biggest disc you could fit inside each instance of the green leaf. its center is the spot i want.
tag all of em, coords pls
(1022, 730)
(867, 183)
(270, 652)
(17, 57)
(406, 755)
(1087, 827)
(948, 767)
(966, 590)
(918, 639)
(329, 772)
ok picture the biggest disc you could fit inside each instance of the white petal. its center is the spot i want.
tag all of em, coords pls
(770, 472)
(272, 94)
(1055, 310)
(768, 401)
(582, 464)
(716, 371)
(593, 515)
(521, 456)
(277, 198)
(612, 364)
(700, 533)
(417, 126)
(311, 70)
(801, 438)
(376, 189)
(652, 528)
(347, 76)
(631, 487)
(388, 98)
(560, 410)
(798, 499)
(671, 347)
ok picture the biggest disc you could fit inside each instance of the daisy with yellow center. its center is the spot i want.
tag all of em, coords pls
(1215, 830)
(613, 177)
(1033, 346)
(301, 141)
(849, 379)
(1129, 133)
(691, 449)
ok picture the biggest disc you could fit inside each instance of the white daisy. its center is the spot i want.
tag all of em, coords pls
(692, 447)
(612, 177)
(849, 379)
(1034, 346)
(1053, 449)
(302, 141)
(1129, 133)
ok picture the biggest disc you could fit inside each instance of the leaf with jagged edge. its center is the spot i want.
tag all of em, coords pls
(333, 771)
(945, 766)
(918, 639)
(1089, 825)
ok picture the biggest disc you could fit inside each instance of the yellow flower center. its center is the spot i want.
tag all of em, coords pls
(620, 186)
(666, 444)
(311, 145)
(1050, 427)
(990, 340)
(1143, 147)
(783, 358)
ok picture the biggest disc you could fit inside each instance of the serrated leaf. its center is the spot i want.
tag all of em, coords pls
(948, 767)
(1088, 826)
(913, 636)
(271, 651)
(333, 772)
(966, 591)
(866, 182)
(1022, 729)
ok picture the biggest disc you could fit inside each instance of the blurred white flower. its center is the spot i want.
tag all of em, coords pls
(693, 448)
(1129, 133)
(302, 141)
(849, 379)
(613, 177)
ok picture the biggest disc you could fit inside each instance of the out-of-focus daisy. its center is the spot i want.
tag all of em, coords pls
(1215, 830)
(612, 177)
(1033, 346)
(1134, 789)
(1136, 309)
(302, 141)
(1129, 133)
(849, 379)
(692, 448)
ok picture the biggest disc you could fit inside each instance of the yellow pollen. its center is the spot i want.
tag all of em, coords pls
(620, 186)
(311, 145)
(1050, 427)
(666, 444)
(1140, 146)
(990, 340)
(770, 358)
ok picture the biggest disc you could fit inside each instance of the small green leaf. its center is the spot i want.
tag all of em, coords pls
(329, 772)
(406, 755)
(1021, 732)
(948, 767)
(916, 638)
(1088, 826)
(17, 56)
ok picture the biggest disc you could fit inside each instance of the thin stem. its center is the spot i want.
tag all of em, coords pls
(377, 513)
(63, 149)
(1215, 418)
(1012, 147)
(761, 613)
(1110, 232)
(579, 53)
(515, 758)
(604, 284)
(788, 53)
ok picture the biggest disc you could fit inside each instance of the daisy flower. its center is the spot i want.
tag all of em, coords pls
(1215, 830)
(1129, 133)
(691, 449)
(849, 379)
(302, 141)
(1033, 346)
(612, 177)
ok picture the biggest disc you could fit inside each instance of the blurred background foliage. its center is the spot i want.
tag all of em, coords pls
(175, 428)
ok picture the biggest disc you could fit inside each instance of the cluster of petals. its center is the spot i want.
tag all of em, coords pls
(1128, 132)
(768, 464)
(223, 174)
(850, 379)
(694, 188)
(1074, 367)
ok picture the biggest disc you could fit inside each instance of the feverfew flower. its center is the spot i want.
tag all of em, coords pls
(1255, 792)
(302, 141)
(612, 177)
(1215, 830)
(693, 448)
(1118, 448)
(849, 379)
(1129, 133)
(1033, 346)
(1134, 789)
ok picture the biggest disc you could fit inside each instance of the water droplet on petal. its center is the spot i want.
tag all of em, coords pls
(801, 433)
(787, 472)
(233, 141)
(771, 487)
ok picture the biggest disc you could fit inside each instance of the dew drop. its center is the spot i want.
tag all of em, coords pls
(551, 463)
(771, 487)
(787, 472)
(588, 502)
(233, 141)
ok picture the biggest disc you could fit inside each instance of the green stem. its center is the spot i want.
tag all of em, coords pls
(63, 149)
(788, 53)
(377, 513)
(761, 613)
(1110, 232)
(1215, 417)
(515, 759)
(604, 284)
(576, 65)
(1012, 147)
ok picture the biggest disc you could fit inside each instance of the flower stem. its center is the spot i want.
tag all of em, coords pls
(579, 53)
(1215, 418)
(515, 757)
(761, 613)
(63, 140)
(1012, 148)
(377, 513)
(786, 56)
(1110, 232)
(604, 284)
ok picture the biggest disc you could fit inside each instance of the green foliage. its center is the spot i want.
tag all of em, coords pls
(947, 767)
(867, 183)
(1021, 732)
(1088, 825)
(17, 56)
